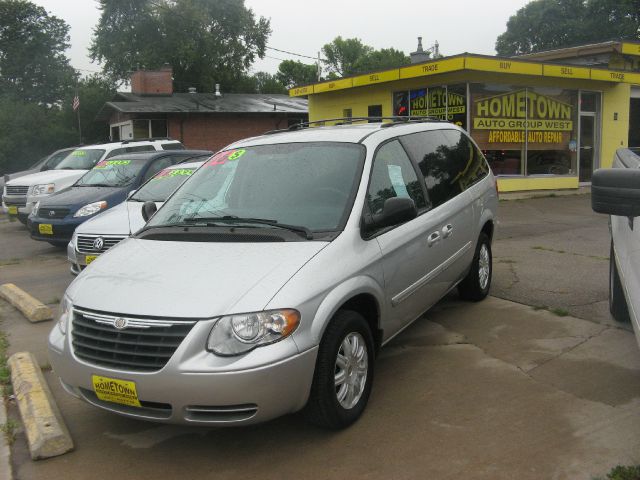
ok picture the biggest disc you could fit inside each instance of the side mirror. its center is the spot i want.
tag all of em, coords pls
(616, 191)
(395, 210)
(148, 209)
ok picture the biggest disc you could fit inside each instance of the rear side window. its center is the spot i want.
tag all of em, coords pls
(140, 148)
(156, 166)
(393, 175)
(172, 146)
(448, 160)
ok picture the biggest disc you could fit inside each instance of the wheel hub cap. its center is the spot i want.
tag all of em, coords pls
(351, 367)
(484, 267)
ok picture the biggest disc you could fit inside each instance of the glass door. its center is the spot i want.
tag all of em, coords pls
(587, 146)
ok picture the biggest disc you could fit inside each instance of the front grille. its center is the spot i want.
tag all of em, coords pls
(15, 202)
(86, 243)
(146, 346)
(16, 190)
(52, 212)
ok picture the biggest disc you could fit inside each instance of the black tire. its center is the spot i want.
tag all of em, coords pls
(471, 288)
(617, 303)
(323, 408)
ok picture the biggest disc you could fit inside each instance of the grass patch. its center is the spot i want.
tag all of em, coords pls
(54, 300)
(539, 307)
(546, 249)
(10, 261)
(561, 312)
(10, 429)
(506, 260)
(623, 473)
(5, 373)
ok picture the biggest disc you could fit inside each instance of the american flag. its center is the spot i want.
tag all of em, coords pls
(76, 102)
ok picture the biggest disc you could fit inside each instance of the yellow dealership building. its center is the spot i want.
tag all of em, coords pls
(544, 121)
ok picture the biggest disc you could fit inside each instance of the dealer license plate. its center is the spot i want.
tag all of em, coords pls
(89, 258)
(116, 391)
(13, 210)
(45, 229)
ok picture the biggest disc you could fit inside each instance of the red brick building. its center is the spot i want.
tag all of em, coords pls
(199, 120)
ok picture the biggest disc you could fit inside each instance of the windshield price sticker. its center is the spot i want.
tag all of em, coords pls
(176, 172)
(222, 157)
(78, 153)
(111, 163)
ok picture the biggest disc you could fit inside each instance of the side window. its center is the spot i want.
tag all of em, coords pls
(140, 148)
(448, 160)
(393, 175)
(172, 146)
(469, 161)
(115, 152)
(156, 166)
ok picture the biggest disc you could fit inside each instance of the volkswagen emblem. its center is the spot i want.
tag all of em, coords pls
(120, 323)
(98, 243)
(52, 213)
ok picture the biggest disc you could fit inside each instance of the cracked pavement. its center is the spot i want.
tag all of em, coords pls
(488, 390)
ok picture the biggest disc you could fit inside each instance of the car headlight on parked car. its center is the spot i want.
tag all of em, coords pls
(43, 189)
(241, 333)
(66, 309)
(90, 209)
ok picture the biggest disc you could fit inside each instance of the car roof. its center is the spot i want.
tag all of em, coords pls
(353, 133)
(126, 143)
(152, 155)
(193, 165)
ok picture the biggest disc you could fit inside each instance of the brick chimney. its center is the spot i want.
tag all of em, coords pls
(153, 82)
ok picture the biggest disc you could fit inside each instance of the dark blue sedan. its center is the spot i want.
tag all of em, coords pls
(107, 184)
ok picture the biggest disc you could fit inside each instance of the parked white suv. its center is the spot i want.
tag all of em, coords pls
(20, 195)
(272, 276)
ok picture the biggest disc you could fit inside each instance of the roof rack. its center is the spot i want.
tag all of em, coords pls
(149, 139)
(393, 120)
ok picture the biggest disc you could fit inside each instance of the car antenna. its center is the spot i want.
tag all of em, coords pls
(126, 204)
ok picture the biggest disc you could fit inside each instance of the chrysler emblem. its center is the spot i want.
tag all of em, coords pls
(120, 323)
(98, 243)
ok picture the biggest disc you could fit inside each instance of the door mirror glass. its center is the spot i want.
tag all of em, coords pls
(396, 210)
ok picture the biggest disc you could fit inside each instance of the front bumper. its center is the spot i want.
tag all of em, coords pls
(16, 206)
(198, 387)
(62, 229)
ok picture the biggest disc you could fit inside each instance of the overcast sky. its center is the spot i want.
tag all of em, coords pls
(303, 27)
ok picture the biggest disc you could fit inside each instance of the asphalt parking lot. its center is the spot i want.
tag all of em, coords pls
(536, 382)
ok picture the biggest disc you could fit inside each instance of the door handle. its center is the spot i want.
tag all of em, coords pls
(447, 230)
(433, 238)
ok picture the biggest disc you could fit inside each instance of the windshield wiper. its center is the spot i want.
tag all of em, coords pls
(95, 185)
(260, 221)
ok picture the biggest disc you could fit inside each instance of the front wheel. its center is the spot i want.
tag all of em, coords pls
(344, 372)
(475, 286)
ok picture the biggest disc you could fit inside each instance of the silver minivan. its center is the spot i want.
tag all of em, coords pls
(270, 279)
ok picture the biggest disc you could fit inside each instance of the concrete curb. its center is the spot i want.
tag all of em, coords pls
(47, 435)
(32, 308)
(5, 451)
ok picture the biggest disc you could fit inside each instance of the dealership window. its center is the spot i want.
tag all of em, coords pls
(374, 111)
(347, 114)
(139, 128)
(526, 130)
(445, 102)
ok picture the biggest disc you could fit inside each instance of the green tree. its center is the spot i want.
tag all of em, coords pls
(205, 41)
(342, 55)
(293, 73)
(350, 56)
(382, 59)
(550, 24)
(268, 83)
(33, 65)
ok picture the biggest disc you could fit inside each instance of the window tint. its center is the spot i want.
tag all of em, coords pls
(172, 146)
(393, 175)
(140, 148)
(113, 153)
(448, 160)
(156, 166)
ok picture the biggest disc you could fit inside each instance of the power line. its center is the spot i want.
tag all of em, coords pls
(296, 54)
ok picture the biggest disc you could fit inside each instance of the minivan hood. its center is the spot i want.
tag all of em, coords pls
(188, 279)
(48, 176)
(116, 220)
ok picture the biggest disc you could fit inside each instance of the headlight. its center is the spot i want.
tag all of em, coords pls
(36, 207)
(90, 209)
(43, 189)
(65, 314)
(236, 334)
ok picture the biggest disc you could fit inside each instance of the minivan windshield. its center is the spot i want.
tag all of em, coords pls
(162, 185)
(116, 172)
(80, 159)
(307, 185)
